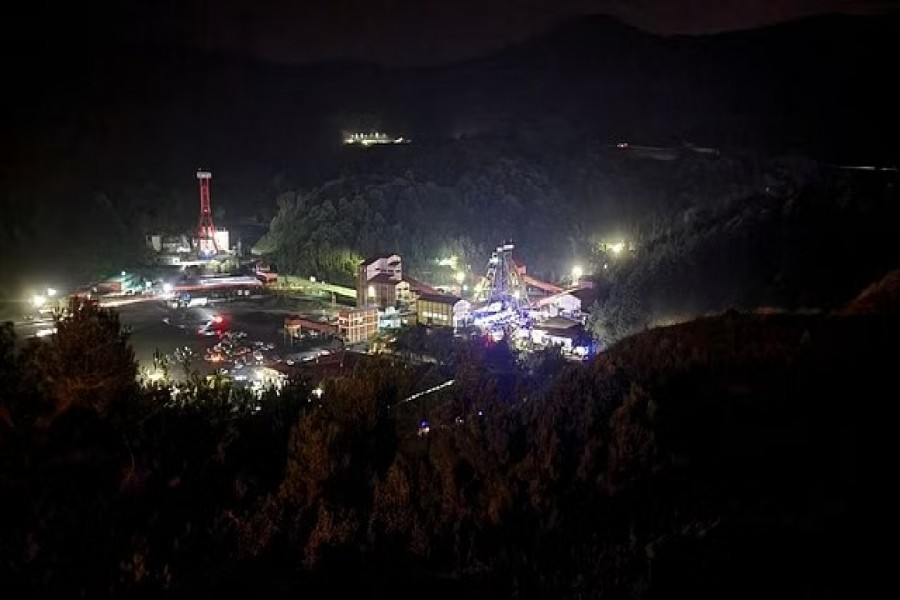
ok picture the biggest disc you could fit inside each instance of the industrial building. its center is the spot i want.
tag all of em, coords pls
(442, 310)
(569, 335)
(376, 280)
(573, 303)
(204, 246)
(356, 325)
(380, 282)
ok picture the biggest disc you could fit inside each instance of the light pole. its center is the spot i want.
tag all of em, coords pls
(577, 272)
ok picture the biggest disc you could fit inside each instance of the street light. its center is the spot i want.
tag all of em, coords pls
(577, 272)
(51, 292)
(38, 301)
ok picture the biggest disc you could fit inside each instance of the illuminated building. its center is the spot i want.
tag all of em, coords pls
(357, 325)
(441, 310)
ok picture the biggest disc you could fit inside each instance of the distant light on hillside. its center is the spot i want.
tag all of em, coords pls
(373, 138)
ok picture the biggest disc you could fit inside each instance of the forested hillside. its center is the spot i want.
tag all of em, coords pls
(101, 125)
(719, 458)
(808, 241)
(467, 197)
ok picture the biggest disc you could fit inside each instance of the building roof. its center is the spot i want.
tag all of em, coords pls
(556, 324)
(442, 298)
(383, 278)
(418, 286)
(375, 258)
(547, 300)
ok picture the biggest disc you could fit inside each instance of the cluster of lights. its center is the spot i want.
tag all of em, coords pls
(448, 262)
(367, 139)
(39, 300)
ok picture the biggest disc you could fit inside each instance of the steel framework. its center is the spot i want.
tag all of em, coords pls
(502, 281)
(206, 229)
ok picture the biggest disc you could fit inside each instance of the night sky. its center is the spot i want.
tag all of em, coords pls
(399, 32)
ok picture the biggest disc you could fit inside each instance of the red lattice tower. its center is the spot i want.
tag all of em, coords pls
(206, 230)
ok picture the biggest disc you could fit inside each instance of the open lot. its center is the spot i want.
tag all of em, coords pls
(252, 324)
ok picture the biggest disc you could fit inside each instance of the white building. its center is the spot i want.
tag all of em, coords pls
(562, 304)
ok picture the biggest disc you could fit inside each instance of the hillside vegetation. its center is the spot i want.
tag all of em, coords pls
(718, 458)
(809, 240)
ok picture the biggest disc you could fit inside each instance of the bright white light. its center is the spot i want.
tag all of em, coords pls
(51, 292)
(577, 272)
(617, 248)
(38, 301)
(45, 332)
(155, 375)
(318, 392)
(371, 291)
(312, 279)
(167, 288)
(448, 262)
(460, 277)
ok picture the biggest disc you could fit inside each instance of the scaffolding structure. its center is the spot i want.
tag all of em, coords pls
(502, 281)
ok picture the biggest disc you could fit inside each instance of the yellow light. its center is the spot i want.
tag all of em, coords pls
(371, 291)
(38, 301)
(617, 248)
(460, 277)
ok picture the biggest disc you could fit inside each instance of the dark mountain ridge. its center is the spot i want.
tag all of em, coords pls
(108, 119)
(816, 85)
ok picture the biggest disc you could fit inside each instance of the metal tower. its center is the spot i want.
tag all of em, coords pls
(206, 230)
(502, 281)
